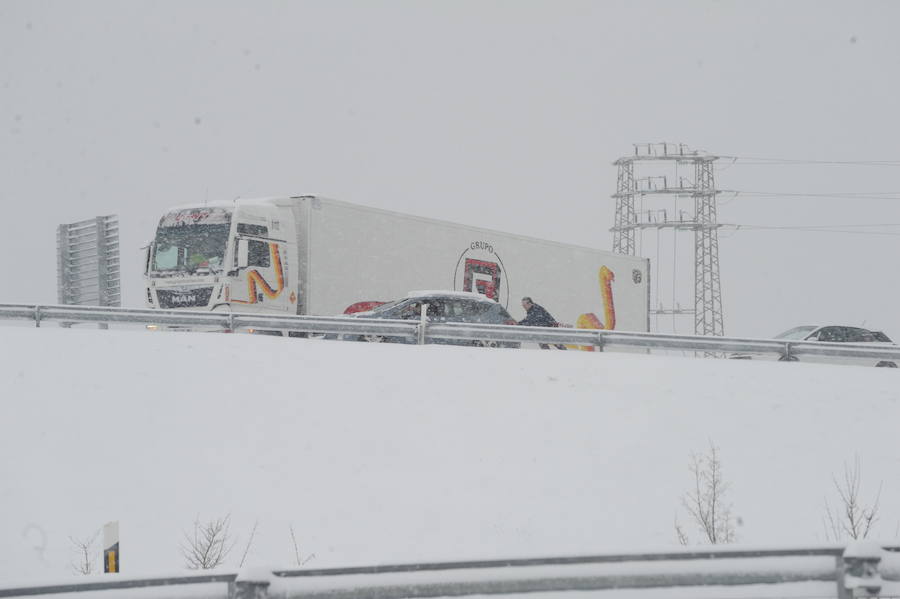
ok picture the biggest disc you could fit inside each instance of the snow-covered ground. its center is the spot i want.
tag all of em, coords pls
(384, 453)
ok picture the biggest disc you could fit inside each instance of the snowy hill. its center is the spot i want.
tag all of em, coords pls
(379, 454)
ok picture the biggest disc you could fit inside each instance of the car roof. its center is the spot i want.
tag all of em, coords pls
(470, 295)
(822, 326)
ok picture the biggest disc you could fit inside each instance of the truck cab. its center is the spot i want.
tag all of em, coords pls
(233, 256)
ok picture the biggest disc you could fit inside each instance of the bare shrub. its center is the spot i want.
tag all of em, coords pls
(87, 554)
(249, 542)
(297, 557)
(209, 544)
(850, 519)
(679, 532)
(706, 502)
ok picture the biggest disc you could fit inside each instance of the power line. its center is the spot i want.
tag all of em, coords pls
(846, 229)
(836, 226)
(848, 195)
(842, 195)
(756, 160)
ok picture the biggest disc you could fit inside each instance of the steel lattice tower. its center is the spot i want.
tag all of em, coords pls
(708, 318)
(707, 286)
(623, 235)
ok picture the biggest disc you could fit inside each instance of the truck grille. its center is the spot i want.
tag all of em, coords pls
(184, 298)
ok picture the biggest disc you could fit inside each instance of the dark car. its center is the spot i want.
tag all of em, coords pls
(833, 334)
(441, 307)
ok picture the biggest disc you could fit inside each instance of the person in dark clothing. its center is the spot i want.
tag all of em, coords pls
(537, 316)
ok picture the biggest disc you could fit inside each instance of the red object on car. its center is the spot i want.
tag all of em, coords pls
(362, 307)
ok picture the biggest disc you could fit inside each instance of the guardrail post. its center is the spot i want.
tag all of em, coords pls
(860, 568)
(842, 591)
(37, 316)
(600, 342)
(254, 585)
(787, 356)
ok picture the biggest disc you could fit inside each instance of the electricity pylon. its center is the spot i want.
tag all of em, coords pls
(708, 319)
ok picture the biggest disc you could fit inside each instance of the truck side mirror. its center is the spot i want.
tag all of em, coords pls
(243, 253)
(148, 251)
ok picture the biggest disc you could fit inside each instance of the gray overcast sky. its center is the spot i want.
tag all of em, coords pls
(502, 114)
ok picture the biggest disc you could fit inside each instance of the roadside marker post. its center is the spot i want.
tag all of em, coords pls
(111, 548)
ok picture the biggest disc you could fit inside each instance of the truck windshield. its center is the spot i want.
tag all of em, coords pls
(190, 248)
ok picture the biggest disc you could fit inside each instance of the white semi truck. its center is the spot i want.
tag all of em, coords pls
(318, 256)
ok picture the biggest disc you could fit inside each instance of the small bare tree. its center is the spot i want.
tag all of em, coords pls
(706, 502)
(249, 542)
(209, 544)
(679, 532)
(87, 555)
(297, 557)
(851, 518)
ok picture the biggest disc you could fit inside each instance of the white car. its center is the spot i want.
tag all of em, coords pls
(832, 334)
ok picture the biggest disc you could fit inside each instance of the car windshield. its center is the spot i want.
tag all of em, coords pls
(502, 312)
(796, 333)
(387, 306)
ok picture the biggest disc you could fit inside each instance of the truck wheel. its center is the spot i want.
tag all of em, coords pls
(372, 338)
(485, 343)
(886, 365)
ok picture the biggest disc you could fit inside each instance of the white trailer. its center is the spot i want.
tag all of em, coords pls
(317, 256)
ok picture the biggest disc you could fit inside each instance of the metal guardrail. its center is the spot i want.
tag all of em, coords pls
(118, 583)
(859, 570)
(424, 331)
